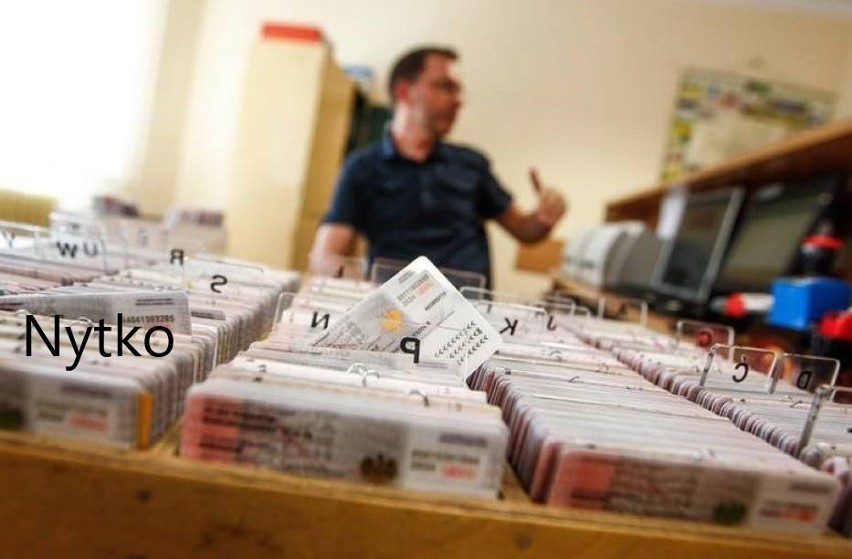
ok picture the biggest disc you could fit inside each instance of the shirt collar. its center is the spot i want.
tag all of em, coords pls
(389, 151)
(388, 147)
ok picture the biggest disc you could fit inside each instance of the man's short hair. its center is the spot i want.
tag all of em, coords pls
(410, 65)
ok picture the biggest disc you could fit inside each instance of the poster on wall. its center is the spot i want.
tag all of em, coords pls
(718, 115)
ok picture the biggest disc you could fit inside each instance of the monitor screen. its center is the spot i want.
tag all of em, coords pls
(770, 232)
(692, 258)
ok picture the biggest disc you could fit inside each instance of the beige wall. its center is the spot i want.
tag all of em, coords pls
(844, 106)
(581, 89)
(161, 159)
(228, 29)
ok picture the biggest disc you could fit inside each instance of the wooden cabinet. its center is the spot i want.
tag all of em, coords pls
(291, 136)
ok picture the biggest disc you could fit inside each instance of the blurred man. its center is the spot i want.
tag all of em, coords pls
(413, 194)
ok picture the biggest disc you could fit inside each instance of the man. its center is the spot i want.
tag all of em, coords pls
(413, 194)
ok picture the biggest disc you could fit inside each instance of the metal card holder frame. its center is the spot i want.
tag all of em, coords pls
(821, 394)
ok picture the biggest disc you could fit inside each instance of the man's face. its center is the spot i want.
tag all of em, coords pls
(435, 96)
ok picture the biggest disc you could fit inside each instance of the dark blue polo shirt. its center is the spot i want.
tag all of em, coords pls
(436, 208)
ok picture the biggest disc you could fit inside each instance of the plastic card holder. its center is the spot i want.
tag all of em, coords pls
(482, 294)
(383, 269)
(611, 334)
(338, 267)
(21, 238)
(562, 308)
(728, 368)
(807, 372)
(284, 302)
(352, 290)
(129, 242)
(300, 326)
(77, 225)
(626, 310)
(31, 245)
(156, 238)
(514, 321)
(145, 235)
(79, 239)
(702, 334)
(206, 264)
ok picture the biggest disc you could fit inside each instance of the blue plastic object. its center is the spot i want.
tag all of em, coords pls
(800, 301)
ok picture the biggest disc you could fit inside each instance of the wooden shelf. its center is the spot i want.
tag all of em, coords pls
(824, 149)
(62, 499)
(590, 296)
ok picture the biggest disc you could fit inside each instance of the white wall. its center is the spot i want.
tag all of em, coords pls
(582, 89)
(76, 90)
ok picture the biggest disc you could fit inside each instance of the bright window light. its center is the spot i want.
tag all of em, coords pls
(75, 93)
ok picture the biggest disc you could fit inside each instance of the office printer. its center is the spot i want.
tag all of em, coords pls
(613, 256)
(573, 257)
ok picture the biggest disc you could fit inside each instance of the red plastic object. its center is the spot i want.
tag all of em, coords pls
(735, 306)
(289, 31)
(823, 241)
(837, 326)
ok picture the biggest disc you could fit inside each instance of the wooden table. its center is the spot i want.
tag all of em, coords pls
(590, 297)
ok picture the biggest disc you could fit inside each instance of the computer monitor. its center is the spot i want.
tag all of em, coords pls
(689, 262)
(767, 239)
(633, 263)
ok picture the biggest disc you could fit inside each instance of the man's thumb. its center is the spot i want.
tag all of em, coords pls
(536, 182)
